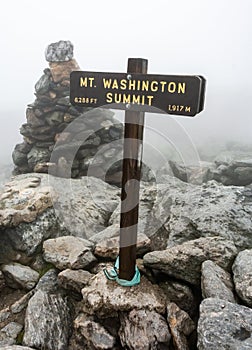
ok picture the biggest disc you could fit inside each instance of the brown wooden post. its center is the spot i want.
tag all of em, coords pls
(96, 89)
(132, 163)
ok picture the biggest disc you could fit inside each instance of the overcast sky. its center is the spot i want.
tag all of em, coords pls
(210, 38)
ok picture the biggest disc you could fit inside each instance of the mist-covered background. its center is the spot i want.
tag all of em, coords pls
(210, 38)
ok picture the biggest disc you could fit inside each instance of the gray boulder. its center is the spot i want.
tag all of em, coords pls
(9, 333)
(20, 276)
(216, 282)
(24, 198)
(106, 298)
(234, 168)
(47, 322)
(193, 174)
(184, 261)
(68, 252)
(43, 84)
(96, 199)
(26, 215)
(60, 51)
(27, 237)
(244, 174)
(89, 334)
(5, 315)
(242, 270)
(74, 280)
(223, 325)
(209, 210)
(143, 329)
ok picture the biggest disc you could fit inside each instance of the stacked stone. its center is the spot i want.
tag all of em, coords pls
(49, 117)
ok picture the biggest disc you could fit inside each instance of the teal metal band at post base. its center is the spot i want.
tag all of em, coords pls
(112, 275)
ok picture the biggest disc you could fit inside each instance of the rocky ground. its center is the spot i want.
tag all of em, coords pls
(194, 253)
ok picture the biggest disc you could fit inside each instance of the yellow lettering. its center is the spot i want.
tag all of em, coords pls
(107, 83)
(188, 109)
(172, 87)
(181, 88)
(136, 99)
(118, 98)
(149, 100)
(126, 98)
(154, 86)
(163, 83)
(138, 85)
(123, 84)
(145, 85)
(91, 80)
(109, 97)
(115, 84)
(132, 85)
(83, 82)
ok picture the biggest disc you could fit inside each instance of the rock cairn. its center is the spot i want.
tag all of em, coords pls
(58, 135)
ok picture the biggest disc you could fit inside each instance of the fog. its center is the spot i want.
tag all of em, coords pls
(210, 38)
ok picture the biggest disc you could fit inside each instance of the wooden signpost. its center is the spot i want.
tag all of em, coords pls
(136, 92)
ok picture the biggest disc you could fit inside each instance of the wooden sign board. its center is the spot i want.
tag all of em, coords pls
(137, 92)
(172, 94)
